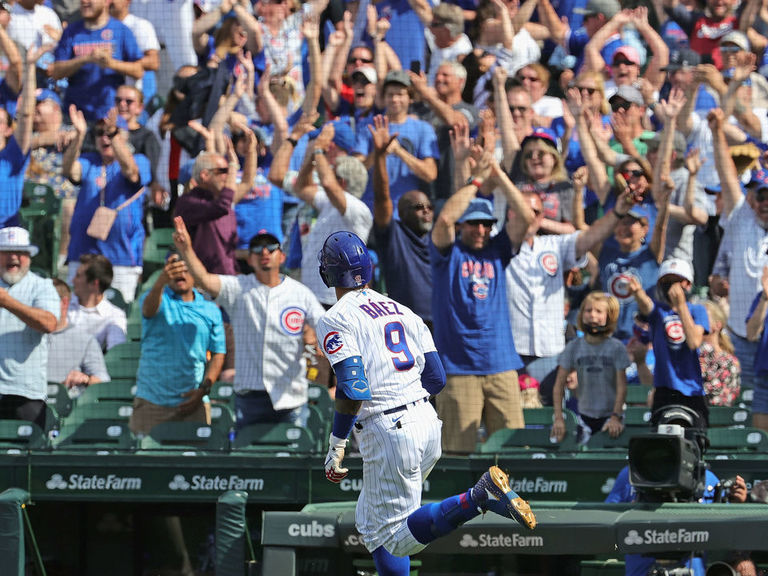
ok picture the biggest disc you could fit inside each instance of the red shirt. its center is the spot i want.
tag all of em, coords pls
(706, 34)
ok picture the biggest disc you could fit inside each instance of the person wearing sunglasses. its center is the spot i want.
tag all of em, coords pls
(208, 210)
(109, 176)
(535, 78)
(269, 313)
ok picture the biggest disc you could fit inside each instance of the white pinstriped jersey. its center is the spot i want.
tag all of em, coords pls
(390, 338)
(268, 324)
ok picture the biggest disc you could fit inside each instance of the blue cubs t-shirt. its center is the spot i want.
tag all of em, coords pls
(13, 165)
(92, 88)
(469, 308)
(677, 366)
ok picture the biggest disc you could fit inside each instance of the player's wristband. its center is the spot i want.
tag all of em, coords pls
(342, 424)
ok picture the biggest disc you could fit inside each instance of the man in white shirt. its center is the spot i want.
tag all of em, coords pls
(336, 197)
(146, 38)
(89, 309)
(31, 24)
(269, 314)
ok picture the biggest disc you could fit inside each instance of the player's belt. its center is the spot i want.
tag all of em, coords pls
(405, 406)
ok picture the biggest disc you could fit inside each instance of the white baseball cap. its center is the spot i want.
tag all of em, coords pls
(15, 239)
(676, 267)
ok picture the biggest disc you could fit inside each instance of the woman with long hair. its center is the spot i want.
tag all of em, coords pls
(720, 369)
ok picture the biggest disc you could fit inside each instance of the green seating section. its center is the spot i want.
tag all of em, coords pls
(185, 435)
(17, 436)
(281, 438)
(40, 213)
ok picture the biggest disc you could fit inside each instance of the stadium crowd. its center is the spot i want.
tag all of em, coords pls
(572, 194)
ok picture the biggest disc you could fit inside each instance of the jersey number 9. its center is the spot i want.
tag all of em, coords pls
(394, 338)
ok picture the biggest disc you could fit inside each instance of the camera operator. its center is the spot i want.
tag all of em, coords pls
(710, 489)
(677, 330)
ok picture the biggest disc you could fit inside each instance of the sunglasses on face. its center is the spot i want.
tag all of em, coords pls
(476, 223)
(589, 91)
(355, 59)
(438, 23)
(620, 61)
(761, 195)
(729, 49)
(99, 132)
(219, 170)
(616, 106)
(521, 109)
(272, 247)
(632, 173)
(523, 78)
(128, 101)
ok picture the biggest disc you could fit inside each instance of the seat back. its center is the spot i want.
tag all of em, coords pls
(58, 397)
(725, 416)
(273, 438)
(737, 440)
(97, 434)
(180, 435)
(120, 391)
(21, 435)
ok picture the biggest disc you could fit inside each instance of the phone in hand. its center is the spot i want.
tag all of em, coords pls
(415, 66)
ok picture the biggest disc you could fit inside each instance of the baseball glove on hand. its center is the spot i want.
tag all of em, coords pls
(333, 470)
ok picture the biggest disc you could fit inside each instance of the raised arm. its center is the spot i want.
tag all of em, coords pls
(731, 193)
(211, 283)
(310, 28)
(516, 227)
(26, 110)
(205, 23)
(601, 229)
(656, 45)
(123, 153)
(593, 59)
(661, 196)
(510, 145)
(282, 158)
(251, 25)
(443, 231)
(15, 68)
(70, 160)
(670, 110)
(382, 201)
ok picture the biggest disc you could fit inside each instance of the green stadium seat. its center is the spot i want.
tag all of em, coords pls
(737, 440)
(637, 416)
(280, 438)
(603, 441)
(112, 410)
(116, 297)
(637, 395)
(319, 426)
(58, 397)
(122, 368)
(222, 393)
(725, 416)
(124, 351)
(17, 436)
(121, 391)
(185, 435)
(52, 421)
(320, 398)
(133, 331)
(745, 397)
(156, 248)
(97, 434)
(40, 214)
(527, 440)
(222, 417)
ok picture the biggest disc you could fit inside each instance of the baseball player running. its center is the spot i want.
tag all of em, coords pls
(386, 366)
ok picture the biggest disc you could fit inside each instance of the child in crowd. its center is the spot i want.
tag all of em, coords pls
(719, 367)
(677, 330)
(599, 361)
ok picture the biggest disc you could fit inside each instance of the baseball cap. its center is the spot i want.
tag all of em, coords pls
(367, 72)
(628, 93)
(629, 52)
(738, 38)
(676, 267)
(639, 212)
(478, 209)
(607, 7)
(546, 134)
(44, 94)
(682, 58)
(397, 77)
(343, 136)
(759, 179)
(16, 239)
(274, 233)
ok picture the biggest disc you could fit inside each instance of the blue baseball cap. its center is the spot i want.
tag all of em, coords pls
(546, 134)
(45, 94)
(759, 179)
(478, 209)
(274, 233)
(343, 136)
(639, 211)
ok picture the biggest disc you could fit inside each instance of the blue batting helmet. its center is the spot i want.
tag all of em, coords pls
(344, 261)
